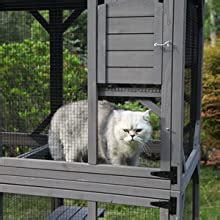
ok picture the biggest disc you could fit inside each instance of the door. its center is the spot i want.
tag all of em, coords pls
(127, 32)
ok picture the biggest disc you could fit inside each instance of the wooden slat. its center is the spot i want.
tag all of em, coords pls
(133, 75)
(84, 178)
(130, 25)
(56, 213)
(130, 59)
(84, 186)
(131, 8)
(102, 44)
(71, 194)
(79, 167)
(130, 42)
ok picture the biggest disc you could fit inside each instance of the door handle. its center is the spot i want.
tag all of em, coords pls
(166, 44)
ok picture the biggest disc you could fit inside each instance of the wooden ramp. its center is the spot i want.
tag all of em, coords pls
(72, 213)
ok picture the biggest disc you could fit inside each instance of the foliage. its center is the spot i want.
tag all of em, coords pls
(75, 37)
(24, 83)
(15, 26)
(213, 5)
(211, 98)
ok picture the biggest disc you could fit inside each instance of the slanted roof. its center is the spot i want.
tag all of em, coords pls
(16, 5)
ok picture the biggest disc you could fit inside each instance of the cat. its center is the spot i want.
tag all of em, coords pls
(121, 133)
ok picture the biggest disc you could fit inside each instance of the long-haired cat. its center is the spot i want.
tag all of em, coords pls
(121, 134)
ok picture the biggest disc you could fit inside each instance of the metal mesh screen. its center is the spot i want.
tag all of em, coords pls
(191, 55)
(126, 212)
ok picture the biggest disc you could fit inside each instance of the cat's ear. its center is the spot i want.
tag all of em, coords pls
(146, 115)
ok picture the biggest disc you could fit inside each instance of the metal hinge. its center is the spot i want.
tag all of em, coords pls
(170, 205)
(171, 175)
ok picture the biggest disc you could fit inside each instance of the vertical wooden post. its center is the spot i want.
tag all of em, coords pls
(56, 69)
(56, 59)
(178, 88)
(92, 93)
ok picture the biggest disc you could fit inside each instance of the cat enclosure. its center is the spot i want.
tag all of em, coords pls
(141, 54)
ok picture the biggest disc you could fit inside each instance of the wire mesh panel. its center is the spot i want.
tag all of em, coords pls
(21, 207)
(191, 72)
(125, 212)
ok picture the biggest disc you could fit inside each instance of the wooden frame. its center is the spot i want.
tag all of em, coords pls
(117, 68)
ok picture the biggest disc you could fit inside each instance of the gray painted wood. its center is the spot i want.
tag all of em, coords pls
(130, 92)
(149, 104)
(126, 42)
(68, 213)
(166, 100)
(158, 38)
(85, 187)
(58, 212)
(125, 8)
(70, 194)
(132, 75)
(130, 59)
(102, 44)
(178, 87)
(92, 211)
(191, 165)
(130, 25)
(92, 78)
(86, 179)
(79, 167)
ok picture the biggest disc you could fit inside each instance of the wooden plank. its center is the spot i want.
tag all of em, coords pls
(130, 25)
(178, 87)
(22, 139)
(126, 8)
(166, 88)
(102, 44)
(63, 166)
(133, 76)
(128, 42)
(92, 81)
(130, 59)
(130, 92)
(72, 194)
(69, 213)
(85, 178)
(91, 211)
(158, 38)
(56, 213)
(26, 180)
(191, 165)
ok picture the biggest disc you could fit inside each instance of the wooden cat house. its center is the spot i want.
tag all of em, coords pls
(144, 50)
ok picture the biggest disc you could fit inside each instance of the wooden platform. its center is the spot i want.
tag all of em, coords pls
(72, 213)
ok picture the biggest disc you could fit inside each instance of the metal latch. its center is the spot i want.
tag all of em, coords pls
(167, 44)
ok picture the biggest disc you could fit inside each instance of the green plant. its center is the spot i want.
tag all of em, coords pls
(211, 98)
(24, 83)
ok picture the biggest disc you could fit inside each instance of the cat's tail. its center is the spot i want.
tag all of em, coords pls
(55, 146)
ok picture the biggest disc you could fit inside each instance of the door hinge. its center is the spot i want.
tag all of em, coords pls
(171, 175)
(170, 205)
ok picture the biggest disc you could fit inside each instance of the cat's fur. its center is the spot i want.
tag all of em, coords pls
(68, 134)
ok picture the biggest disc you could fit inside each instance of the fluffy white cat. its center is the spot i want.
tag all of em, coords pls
(121, 134)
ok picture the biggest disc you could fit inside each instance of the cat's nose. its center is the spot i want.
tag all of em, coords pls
(132, 135)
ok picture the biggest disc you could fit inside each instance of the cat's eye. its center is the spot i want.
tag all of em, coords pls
(126, 130)
(138, 130)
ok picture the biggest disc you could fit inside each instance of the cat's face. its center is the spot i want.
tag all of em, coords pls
(132, 128)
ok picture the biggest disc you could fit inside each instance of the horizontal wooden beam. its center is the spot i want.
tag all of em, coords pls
(63, 166)
(55, 183)
(71, 194)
